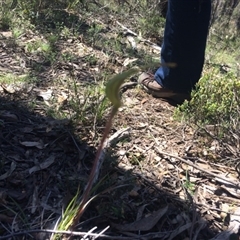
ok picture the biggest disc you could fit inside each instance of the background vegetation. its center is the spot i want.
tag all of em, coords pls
(61, 53)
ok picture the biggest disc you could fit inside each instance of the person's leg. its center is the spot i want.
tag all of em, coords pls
(184, 43)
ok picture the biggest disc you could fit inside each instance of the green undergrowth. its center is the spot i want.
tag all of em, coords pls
(10, 78)
(92, 24)
(216, 102)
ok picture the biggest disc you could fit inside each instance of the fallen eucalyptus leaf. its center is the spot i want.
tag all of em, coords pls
(49, 161)
(144, 224)
(38, 145)
(9, 172)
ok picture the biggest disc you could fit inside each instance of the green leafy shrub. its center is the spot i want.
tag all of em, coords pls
(152, 25)
(216, 101)
(5, 15)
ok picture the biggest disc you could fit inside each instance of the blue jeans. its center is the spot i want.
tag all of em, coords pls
(184, 43)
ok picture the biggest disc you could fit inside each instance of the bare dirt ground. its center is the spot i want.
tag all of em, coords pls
(161, 179)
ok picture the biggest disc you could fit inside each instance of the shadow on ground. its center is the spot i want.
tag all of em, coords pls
(43, 163)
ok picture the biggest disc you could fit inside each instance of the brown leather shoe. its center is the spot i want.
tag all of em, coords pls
(148, 82)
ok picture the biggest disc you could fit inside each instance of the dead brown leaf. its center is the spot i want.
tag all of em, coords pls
(144, 224)
(179, 230)
(9, 172)
(8, 116)
(43, 165)
(38, 145)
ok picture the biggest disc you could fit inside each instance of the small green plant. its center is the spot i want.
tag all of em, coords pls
(12, 78)
(117, 211)
(68, 56)
(94, 32)
(101, 108)
(112, 92)
(5, 15)
(52, 39)
(65, 32)
(92, 59)
(148, 25)
(17, 32)
(188, 185)
(5, 22)
(135, 158)
(215, 105)
(215, 101)
(38, 46)
(68, 216)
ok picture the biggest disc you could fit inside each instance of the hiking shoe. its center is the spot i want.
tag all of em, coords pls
(148, 82)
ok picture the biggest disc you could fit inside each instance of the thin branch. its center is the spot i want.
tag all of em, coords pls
(197, 167)
(64, 232)
(153, 45)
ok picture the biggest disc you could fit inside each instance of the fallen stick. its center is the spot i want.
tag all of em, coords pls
(72, 233)
(117, 136)
(197, 167)
(153, 45)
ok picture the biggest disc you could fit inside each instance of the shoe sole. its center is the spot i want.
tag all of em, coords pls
(172, 96)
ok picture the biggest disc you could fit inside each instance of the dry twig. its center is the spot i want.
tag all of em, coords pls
(199, 168)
